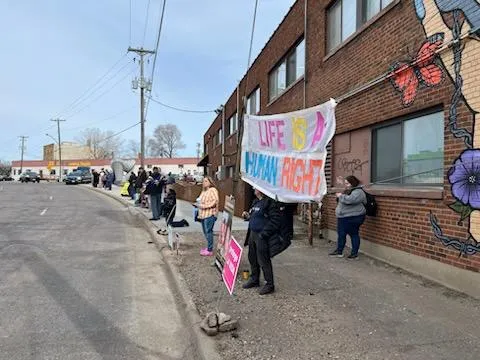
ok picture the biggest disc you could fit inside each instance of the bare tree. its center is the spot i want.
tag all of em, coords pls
(102, 144)
(166, 141)
(5, 167)
(132, 149)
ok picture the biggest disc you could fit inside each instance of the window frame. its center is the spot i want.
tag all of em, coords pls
(284, 62)
(360, 24)
(255, 94)
(401, 120)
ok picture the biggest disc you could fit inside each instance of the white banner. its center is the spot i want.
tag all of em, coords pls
(284, 155)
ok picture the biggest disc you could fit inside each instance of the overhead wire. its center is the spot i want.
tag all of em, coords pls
(146, 23)
(99, 121)
(157, 45)
(101, 95)
(180, 109)
(120, 132)
(74, 103)
(130, 27)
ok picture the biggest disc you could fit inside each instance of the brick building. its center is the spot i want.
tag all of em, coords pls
(70, 151)
(404, 122)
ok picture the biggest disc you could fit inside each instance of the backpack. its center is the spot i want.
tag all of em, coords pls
(370, 205)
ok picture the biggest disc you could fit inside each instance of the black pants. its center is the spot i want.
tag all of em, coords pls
(259, 257)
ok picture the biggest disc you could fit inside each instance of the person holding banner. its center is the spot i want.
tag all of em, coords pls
(264, 222)
(207, 212)
(350, 213)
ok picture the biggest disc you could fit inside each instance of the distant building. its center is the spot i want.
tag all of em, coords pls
(70, 151)
(49, 169)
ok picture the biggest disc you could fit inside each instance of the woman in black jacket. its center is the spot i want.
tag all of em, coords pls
(264, 222)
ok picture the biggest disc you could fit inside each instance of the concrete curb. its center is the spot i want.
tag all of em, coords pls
(205, 345)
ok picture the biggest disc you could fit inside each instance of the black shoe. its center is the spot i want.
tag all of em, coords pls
(153, 219)
(251, 284)
(185, 222)
(267, 289)
(336, 253)
(352, 257)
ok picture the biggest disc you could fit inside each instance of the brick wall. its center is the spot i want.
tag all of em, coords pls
(394, 35)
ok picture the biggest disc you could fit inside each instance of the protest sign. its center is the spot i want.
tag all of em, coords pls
(232, 262)
(284, 155)
(225, 232)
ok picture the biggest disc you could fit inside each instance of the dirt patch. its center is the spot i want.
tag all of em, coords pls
(284, 325)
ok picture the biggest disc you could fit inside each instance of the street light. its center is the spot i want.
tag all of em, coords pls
(59, 164)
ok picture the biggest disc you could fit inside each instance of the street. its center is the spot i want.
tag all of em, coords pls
(79, 280)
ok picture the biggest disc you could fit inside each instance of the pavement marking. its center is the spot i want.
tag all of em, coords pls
(51, 197)
(43, 211)
(1, 188)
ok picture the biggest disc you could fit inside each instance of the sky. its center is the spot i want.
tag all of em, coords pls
(56, 50)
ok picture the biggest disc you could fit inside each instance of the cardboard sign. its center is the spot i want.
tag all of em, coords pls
(232, 262)
(284, 155)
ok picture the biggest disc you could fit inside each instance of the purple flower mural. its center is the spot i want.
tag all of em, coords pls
(465, 178)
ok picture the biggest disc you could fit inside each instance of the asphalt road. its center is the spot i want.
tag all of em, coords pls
(78, 280)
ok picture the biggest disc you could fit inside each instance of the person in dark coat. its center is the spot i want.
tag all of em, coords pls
(95, 178)
(141, 179)
(264, 222)
(155, 188)
(131, 185)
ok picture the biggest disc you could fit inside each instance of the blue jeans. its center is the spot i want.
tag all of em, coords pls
(156, 200)
(349, 226)
(207, 227)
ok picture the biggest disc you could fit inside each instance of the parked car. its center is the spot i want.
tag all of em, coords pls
(78, 177)
(6, 178)
(29, 176)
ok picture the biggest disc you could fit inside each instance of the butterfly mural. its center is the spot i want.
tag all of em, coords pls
(424, 70)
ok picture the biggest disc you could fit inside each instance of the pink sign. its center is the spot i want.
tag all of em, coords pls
(232, 262)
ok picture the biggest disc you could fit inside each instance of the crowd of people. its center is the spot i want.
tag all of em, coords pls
(270, 228)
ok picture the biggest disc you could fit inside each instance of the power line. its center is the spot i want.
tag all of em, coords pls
(146, 23)
(180, 109)
(93, 86)
(102, 94)
(160, 26)
(120, 132)
(100, 121)
(130, 35)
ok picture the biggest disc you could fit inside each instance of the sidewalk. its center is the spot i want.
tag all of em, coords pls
(184, 211)
(331, 308)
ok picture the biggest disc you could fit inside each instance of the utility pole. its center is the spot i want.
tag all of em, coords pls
(143, 84)
(59, 149)
(198, 150)
(22, 138)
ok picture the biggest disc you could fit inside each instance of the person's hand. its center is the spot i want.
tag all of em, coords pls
(338, 194)
(245, 215)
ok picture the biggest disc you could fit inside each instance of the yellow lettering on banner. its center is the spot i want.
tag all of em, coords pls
(299, 133)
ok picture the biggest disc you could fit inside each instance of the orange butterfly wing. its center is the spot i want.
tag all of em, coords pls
(431, 74)
(407, 83)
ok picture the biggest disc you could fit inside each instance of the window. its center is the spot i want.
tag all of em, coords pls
(149, 166)
(218, 137)
(180, 166)
(409, 151)
(14, 172)
(230, 171)
(53, 172)
(65, 171)
(345, 17)
(232, 124)
(253, 102)
(290, 69)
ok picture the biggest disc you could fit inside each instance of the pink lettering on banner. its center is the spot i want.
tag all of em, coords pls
(271, 134)
(319, 130)
(232, 262)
